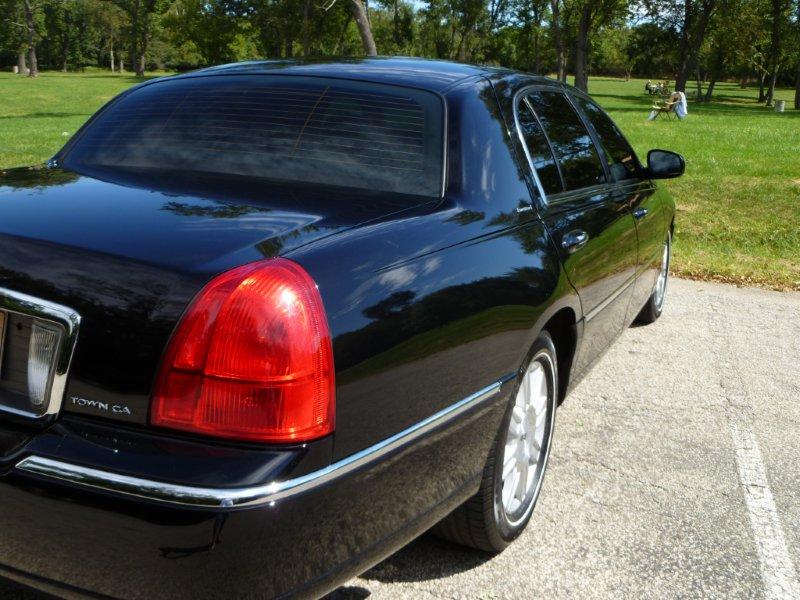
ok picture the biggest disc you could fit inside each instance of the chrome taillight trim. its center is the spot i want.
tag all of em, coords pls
(68, 320)
(222, 498)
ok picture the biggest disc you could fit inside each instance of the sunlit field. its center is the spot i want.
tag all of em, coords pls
(738, 204)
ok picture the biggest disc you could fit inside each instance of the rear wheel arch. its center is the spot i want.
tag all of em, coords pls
(562, 329)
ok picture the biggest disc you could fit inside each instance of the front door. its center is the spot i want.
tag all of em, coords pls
(638, 193)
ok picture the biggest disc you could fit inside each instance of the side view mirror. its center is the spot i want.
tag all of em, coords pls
(663, 164)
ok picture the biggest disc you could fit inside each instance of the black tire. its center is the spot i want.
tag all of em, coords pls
(482, 522)
(654, 306)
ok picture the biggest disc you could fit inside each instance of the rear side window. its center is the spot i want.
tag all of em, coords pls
(290, 129)
(539, 149)
(570, 140)
(621, 158)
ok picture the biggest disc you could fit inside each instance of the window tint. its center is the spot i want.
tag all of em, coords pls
(571, 142)
(539, 149)
(296, 129)
(622, 160)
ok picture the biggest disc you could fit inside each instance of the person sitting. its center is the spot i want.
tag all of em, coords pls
(675, 104)
(648, 87)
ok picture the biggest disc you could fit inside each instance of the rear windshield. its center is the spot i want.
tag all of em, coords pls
(295, 129)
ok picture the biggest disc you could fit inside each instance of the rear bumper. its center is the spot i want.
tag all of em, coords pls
(72, 530)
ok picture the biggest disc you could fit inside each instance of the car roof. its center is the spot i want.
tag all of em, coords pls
(433, 75)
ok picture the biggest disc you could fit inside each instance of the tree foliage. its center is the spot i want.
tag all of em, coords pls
(690, 42)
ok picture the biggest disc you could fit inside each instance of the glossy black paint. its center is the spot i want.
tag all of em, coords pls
(428, 301)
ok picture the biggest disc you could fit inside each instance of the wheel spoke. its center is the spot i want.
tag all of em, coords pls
(508, 465)
(522, 482)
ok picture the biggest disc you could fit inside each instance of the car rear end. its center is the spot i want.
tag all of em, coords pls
(167, 381)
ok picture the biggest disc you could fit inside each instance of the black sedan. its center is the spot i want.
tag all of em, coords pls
(263, 324)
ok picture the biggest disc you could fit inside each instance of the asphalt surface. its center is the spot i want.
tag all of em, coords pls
(675, 471)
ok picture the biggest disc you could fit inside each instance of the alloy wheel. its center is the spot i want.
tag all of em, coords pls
(663, 275)
(528, 439)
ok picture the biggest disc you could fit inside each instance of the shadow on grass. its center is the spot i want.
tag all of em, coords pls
(131, 79)
(46, 115)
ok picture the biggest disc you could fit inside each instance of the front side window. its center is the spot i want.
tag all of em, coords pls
(284, 128)
(622, 161)
(571, 142)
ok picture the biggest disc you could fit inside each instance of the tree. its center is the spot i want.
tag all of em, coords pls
(531, 15)
(779, 9)
(211, 25)
(361, 18)
(593, 14)
(30, 28)
(690, 20)
(797, 71)
(140, 15)
(557, 28)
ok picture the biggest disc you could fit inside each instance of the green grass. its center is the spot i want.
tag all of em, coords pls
(738, 204)
(37, 116)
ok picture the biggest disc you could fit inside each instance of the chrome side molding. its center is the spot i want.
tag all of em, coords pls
(215, 498)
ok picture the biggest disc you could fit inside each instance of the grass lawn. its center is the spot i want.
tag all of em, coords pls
(738, 204)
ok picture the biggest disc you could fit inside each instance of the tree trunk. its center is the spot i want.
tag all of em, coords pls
(774, 49)
(716, 71)
(65, 43)
(144, 39)
(111, 55)
(582, 48)
(700, 80)
(30, 26)
(797, 87)
(22, 63)
(135, 25)
(694, 31)
(339, 48)
(537, 62)
(558, 39)
(762, 79)
(306, 28)
(365, 31)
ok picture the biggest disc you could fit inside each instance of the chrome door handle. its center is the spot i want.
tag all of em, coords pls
(640, 212)
(574, 240)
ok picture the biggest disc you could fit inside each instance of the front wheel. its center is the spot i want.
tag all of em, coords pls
(655, 304)
(514, 470)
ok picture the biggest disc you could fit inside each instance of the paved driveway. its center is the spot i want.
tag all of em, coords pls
(675, 471)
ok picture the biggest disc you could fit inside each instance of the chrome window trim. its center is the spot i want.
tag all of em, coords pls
(257, 495)
(515, 104)
(68, 322)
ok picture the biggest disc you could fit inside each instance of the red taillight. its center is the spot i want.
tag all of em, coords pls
(251, 359)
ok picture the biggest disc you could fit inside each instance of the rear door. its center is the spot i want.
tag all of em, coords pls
(590, 224)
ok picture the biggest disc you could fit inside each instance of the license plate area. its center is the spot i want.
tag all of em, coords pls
(37, 339)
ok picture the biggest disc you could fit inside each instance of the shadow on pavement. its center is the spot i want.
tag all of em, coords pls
(426, 558)
(11, 589)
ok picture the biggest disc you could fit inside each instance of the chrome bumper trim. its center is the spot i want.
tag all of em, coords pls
(204, 497)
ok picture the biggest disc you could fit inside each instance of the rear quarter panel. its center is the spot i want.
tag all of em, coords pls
(431, 307)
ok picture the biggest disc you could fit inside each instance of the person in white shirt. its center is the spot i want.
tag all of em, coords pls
(676, 102)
